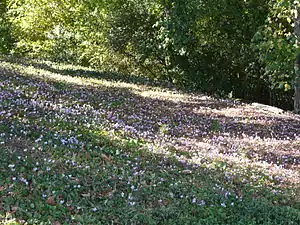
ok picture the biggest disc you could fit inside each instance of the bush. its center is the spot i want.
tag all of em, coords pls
(245, 48)
(6, 39)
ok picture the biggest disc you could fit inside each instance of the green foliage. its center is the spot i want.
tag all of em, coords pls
(64, 160)
(203, 43)
(276, 44)
(6, 39)
(215, 126)
(241, 47)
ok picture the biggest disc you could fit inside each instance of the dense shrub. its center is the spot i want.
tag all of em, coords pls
(6, 39)
(243, 48)
(275, 43)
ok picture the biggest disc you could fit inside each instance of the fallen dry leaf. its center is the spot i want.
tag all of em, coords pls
(51, 201)
(105, 157)
(105, 193)
(86, 195)
(56, 223)
(186, 172)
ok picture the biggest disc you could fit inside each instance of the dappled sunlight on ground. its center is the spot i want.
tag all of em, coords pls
(233, 132)
(68, 79)
(248, 144)
(272, 158)
(173, 96)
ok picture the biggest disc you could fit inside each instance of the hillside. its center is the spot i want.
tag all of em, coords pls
(81, 146)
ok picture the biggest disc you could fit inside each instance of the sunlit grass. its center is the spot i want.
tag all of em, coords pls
(79, 79)
(5, 220)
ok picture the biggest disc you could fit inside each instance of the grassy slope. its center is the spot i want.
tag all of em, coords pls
(83, 147)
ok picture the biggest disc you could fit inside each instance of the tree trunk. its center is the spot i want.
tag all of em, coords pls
(297, 62)
(297, 85)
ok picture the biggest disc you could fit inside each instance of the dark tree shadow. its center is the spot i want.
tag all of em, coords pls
(90, 73)
(194, 119)
(151, 119)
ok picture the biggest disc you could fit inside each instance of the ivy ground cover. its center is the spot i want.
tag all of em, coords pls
(80, 146)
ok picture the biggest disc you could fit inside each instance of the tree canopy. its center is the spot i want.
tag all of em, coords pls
(245, 48)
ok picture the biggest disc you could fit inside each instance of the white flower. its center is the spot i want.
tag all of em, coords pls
(194, 200)
(202, 202)
(130, 197)
(132, 203)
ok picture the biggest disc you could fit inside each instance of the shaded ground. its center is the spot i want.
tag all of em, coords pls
(152, 150)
